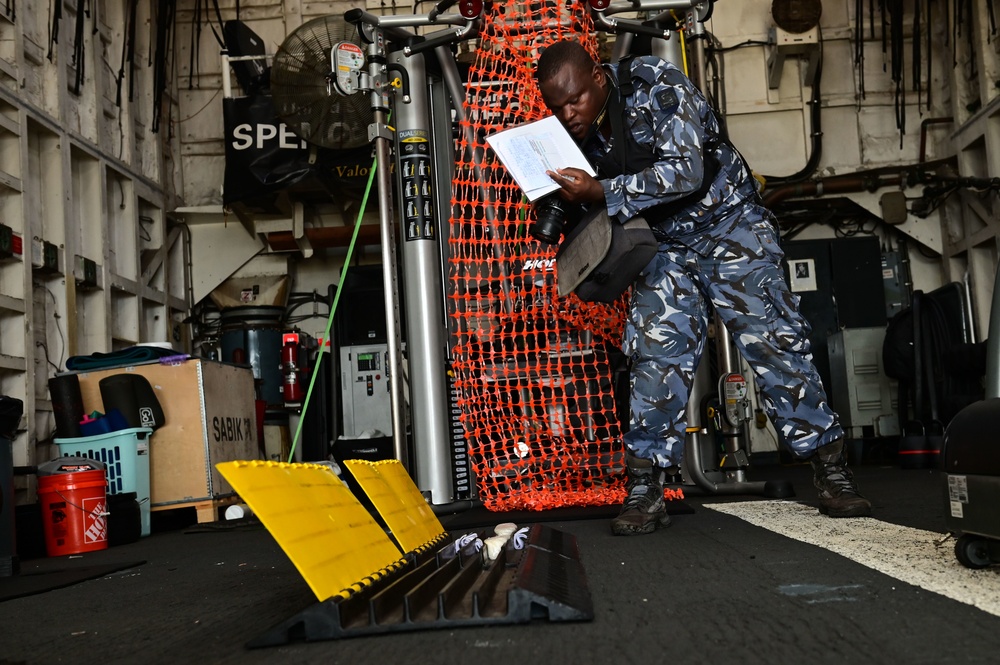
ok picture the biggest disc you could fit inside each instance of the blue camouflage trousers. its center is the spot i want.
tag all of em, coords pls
(664, 337)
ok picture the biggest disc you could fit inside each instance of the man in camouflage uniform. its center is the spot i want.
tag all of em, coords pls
(717, 244)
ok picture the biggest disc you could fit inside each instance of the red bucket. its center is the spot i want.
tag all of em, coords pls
(74, 511)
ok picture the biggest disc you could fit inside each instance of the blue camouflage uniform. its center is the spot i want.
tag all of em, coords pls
(722, 248)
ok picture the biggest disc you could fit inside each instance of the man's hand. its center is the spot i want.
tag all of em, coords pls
(577, 186)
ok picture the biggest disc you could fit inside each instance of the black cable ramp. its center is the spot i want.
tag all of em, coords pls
(544, 580)
(416, 576)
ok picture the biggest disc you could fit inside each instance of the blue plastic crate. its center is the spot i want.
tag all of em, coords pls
(125, 454)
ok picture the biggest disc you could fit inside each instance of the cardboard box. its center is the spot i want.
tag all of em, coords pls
(209, 417)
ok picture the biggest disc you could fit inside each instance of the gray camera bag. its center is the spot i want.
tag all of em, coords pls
(600, 258)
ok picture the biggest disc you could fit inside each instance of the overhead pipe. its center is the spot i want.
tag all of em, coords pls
(860, 181)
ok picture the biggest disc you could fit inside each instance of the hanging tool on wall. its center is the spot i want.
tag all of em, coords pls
(128, 55)
(202, 15)
(195, 50)
(79, 63)
(927, 34)
(859, 41)
(895, 8)
(56, 13)
(166, 12)
(917, 51)
(893, 38)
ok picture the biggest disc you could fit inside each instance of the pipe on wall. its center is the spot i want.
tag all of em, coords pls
(860, 181)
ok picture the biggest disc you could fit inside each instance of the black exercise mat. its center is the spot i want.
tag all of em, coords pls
(28, 584)
(479, 516)
(133, 355)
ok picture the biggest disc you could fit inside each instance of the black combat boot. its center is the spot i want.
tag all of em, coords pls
(838, 493)
(644, 509)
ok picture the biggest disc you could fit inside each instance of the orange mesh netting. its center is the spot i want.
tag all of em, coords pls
(532, 369)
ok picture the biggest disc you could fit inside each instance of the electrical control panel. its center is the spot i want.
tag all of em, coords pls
(364, 385)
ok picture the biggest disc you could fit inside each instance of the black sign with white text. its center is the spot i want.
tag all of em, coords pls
(264, 156)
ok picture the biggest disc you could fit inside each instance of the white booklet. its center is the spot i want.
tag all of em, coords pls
(529, 150)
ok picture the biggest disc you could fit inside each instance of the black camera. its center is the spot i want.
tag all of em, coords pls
(551, 215)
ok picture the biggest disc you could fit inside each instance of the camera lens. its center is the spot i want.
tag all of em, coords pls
(550, 216)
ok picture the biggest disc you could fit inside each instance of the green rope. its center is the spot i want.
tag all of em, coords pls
(333, 310)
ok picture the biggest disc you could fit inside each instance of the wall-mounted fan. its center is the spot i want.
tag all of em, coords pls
(796, 16)
(302, 97)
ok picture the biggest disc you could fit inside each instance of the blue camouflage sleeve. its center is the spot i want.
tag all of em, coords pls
(666, 117)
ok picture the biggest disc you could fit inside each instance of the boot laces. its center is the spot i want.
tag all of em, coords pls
(642, 493)
(836, 476)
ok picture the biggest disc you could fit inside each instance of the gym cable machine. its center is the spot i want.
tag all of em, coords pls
(421, 112)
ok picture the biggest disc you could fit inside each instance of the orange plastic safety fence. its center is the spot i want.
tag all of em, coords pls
(532, 371)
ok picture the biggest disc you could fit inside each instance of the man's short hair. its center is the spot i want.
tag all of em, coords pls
(560, 54)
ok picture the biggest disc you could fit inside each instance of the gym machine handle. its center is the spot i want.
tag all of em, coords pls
(613, 7)
(439, 8)
(441, 38)
(618, 25)
(404, 80)
(467, 20)
(603, 8)
(394, 25)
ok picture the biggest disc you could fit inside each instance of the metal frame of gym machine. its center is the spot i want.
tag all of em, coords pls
(420, 112)
(423, 113)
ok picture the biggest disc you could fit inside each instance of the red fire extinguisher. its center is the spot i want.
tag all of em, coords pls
(291, 388)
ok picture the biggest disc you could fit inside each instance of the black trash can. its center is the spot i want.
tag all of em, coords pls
(10, 415)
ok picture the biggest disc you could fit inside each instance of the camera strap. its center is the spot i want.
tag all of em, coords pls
(613, 104)
(628, 156)
(616, 100)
